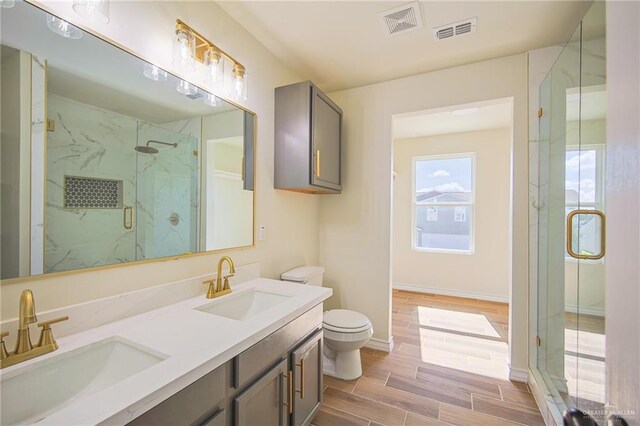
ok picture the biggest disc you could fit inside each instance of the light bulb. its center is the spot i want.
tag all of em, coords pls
(239, 91)
(63, 28)
(154, 73)
(7, 3)
(184, 48)
(93, 10)
(186, 88)
(215, 66)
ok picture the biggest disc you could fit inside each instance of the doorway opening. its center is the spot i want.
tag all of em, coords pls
(451, 236)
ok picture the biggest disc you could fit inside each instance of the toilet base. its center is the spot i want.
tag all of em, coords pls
(347, 365)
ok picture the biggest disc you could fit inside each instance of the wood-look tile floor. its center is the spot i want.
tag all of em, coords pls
(448, 367)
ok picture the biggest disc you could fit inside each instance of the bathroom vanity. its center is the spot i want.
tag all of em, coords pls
(250, 357)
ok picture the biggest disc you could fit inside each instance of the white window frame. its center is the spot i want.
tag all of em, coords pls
(470, 204)
(599, 202)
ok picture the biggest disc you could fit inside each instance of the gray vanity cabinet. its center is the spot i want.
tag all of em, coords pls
(201, 403)
(306, 364)
(308, 140)
(265, 402)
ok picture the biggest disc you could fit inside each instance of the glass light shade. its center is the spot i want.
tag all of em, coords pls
(186, 88)
(215, 67)
(184, 51)
(154, 73)
(93, 10)
(7, 3)
(211, 100)
(63, 28)
(239, 90)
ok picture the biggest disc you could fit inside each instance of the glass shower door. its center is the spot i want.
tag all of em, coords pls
(570, 314)
(167, 185)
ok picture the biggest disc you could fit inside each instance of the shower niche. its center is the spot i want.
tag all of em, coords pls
(104, 165)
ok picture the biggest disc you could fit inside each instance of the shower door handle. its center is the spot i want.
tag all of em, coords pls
(128, 211)
(603, 234)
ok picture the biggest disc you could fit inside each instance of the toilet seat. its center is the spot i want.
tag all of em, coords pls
(345, 321)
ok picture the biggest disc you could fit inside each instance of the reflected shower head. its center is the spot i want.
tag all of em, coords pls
(146, 149)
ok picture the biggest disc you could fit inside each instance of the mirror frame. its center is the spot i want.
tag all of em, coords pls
(129, 51)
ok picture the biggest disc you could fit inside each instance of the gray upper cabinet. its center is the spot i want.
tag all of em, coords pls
(308, 140)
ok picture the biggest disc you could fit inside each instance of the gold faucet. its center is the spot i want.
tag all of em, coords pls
(24, 348)
(217, 287)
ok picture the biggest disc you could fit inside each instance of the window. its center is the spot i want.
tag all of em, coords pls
(443, 202)
(584, 190)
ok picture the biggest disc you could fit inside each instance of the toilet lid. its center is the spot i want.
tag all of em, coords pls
(345, 321)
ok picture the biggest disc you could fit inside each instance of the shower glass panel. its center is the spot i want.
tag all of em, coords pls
(570, 290)
(166, 212)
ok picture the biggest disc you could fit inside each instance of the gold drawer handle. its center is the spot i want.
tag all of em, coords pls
(318, 163)
(603, 234)
(301, 391)
(289, 403)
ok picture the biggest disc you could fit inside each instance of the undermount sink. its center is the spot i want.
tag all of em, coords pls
(43, 388)
(243, 305)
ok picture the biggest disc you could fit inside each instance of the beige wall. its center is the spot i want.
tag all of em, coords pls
(485, 272)
(291, 219)
(355, 227)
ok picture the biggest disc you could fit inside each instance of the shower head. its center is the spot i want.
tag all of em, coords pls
(146, 149)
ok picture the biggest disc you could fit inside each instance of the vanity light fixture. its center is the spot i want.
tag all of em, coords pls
(186, 88)
(210, 55)
(7, 3)
(63, 28)
(154, 73)
(93, 10)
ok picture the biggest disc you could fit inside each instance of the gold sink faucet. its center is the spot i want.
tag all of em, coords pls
(218, 287)
(24, 348)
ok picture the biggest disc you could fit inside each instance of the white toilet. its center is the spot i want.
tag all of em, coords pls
(345, 331)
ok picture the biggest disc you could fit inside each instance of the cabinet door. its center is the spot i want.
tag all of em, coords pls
(306, 363)
(326, 132)
(264, 403)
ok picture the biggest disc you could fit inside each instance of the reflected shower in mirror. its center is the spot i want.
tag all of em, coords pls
(107, 159)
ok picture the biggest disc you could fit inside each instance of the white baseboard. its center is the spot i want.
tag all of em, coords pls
(518, 375)
(454, 293)
(574, 309)
(380, 345)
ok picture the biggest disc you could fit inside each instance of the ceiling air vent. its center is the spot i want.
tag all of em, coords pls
(402, 19)
(456, 29)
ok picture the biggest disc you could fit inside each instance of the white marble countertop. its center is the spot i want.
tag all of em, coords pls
(194, 343)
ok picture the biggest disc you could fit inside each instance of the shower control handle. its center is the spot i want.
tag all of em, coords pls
(127, 214)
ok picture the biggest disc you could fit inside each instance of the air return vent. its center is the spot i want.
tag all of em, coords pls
(402, 19)
(456, 29)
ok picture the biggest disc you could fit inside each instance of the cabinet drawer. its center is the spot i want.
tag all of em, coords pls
(265, 402)
(250, 363)
(193, 405)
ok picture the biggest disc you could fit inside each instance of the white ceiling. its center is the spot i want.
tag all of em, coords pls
(341, 44)
(490, 115)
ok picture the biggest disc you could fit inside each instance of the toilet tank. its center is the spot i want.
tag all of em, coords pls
(304, 275)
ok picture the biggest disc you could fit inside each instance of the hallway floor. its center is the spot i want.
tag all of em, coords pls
(448, 366)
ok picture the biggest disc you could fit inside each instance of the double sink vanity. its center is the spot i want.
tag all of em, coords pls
(252, 356)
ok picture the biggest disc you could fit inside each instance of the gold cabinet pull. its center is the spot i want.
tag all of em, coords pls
(289, 402)
(603, 234)
(301, 390)
(318, 163)
(127, 224)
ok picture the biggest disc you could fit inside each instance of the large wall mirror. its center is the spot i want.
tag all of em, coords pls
(106, 159)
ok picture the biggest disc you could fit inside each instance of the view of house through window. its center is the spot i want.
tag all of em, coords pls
(443, 203)
(583, 190)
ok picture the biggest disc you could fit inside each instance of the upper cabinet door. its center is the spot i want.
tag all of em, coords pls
(326, 123)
